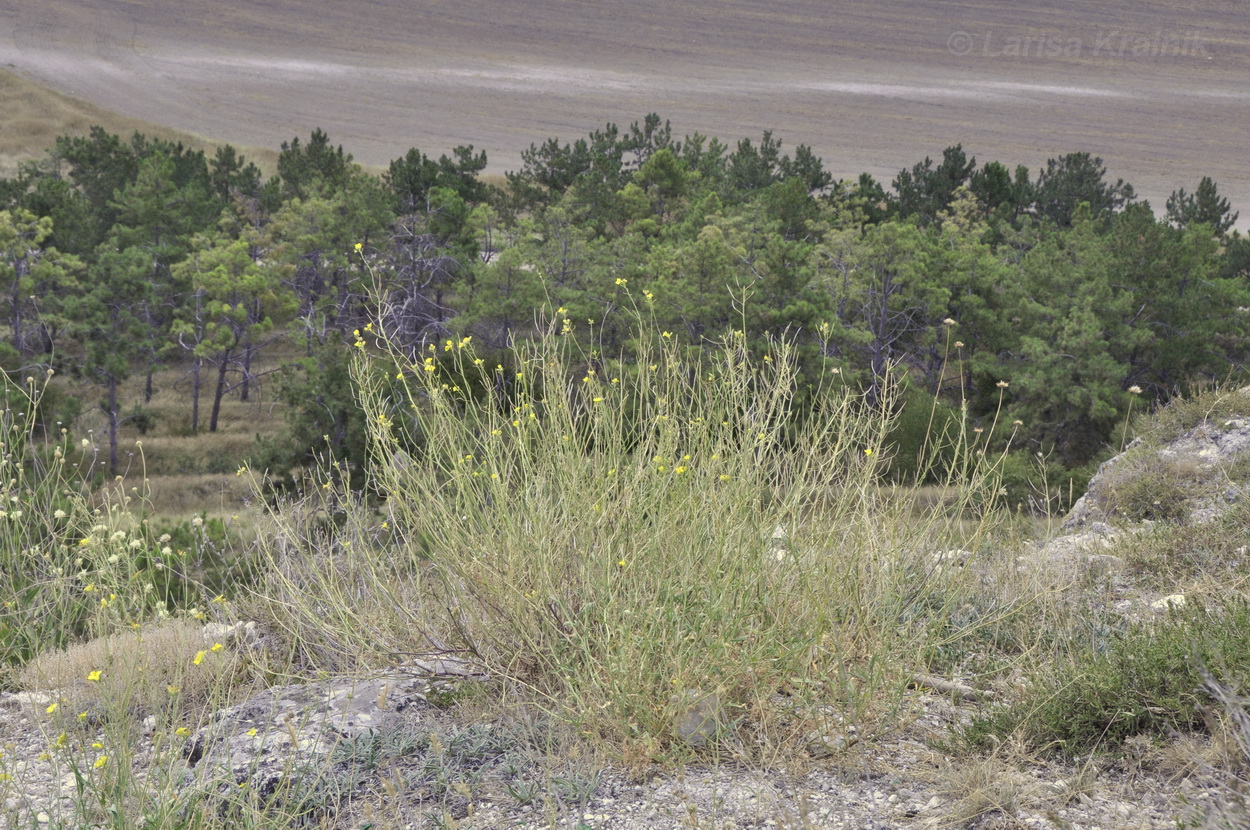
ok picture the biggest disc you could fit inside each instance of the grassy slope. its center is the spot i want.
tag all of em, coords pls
(35, 115)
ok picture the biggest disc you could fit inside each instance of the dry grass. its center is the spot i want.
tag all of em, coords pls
(35, 115)
(140, 672)
(185, 473)
(983, 790)
(608, 541)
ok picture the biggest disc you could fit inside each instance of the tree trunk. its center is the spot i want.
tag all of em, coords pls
(222, 365)
(247, 371)
(196, 380)
(114, 422)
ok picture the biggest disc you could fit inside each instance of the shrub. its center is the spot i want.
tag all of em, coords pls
(73, 563)
(1032, 485)
(919, 441)
(1149, 679)
(1155, 490)
(618, 538)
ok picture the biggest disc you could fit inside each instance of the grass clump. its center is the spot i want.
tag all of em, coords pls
(139, 672)
(616, 537)
(1149, 679)
(1214, 405)
(1154, 491)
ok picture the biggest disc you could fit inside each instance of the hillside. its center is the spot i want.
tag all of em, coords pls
(1155, 89)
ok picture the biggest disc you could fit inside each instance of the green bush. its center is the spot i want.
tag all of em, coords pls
(921, 442)
(1031, 485)
(1150, 679)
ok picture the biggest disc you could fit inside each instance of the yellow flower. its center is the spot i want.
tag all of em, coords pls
(251, 733)
(100, 762)
(868, 451)
(621, 563)
(724, 477)
(359, 245)
(182, 732)
(199, 658)
(680, 470)
(51, 710)
(216, 647)
(621, 281)
(562, 310)
(94, 676)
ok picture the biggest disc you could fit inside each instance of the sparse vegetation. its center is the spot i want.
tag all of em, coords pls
(693, 454)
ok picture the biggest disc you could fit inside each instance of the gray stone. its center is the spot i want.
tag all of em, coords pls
(700, 717)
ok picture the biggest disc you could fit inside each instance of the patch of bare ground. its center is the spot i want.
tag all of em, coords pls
(1156, 89)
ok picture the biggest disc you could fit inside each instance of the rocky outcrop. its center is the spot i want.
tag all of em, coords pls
(1193, 468)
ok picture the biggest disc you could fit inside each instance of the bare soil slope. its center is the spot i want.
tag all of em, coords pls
(1158, 89)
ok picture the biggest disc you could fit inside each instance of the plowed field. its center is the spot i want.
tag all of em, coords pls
(1160, 90)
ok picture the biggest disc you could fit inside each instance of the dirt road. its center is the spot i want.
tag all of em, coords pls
(1158, 89)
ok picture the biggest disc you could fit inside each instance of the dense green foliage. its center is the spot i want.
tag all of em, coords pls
(119, 256)
(1143, 680)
